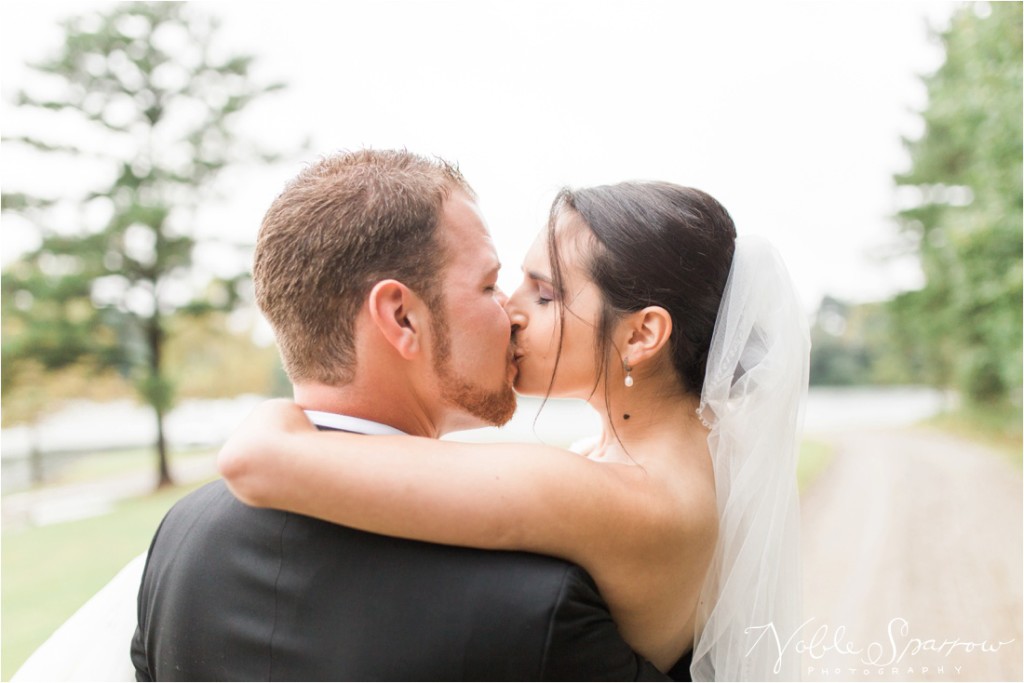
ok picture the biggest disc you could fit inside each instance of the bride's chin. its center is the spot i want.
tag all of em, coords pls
(535, 384)
(541, 389)
(527, 388)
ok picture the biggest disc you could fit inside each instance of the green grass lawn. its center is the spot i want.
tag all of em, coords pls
(814, 457)
(998, 428)
(49, 572)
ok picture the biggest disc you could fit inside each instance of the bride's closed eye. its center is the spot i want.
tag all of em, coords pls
(545, 295)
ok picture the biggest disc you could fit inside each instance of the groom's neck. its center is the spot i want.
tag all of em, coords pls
(389, 406)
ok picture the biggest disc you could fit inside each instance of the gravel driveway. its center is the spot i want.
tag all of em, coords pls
(912, 545)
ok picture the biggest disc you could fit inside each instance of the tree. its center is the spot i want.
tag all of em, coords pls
(966, 221)
(851, 344)
(153, 104)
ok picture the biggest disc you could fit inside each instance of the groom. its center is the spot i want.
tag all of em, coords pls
(378, 275)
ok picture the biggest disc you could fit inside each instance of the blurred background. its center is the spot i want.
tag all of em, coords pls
(877, 145)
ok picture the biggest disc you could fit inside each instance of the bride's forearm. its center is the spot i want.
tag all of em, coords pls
(412, 487)
(503, 496)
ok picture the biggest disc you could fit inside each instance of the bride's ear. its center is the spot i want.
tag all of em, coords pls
(399, 315)
(646, 332)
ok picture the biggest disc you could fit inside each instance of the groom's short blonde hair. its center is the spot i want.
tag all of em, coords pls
(343, 224)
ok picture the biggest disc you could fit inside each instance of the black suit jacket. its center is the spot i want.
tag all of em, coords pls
(238, 593)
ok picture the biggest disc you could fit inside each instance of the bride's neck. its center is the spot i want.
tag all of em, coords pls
(634, 418)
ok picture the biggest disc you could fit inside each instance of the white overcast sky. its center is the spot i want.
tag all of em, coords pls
(791, 114)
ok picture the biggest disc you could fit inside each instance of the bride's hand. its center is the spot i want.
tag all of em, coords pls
(277, 415)
(258, 447)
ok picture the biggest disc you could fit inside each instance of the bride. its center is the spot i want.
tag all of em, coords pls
(690, 344)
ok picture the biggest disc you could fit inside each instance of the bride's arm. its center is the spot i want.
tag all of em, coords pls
(501, 496)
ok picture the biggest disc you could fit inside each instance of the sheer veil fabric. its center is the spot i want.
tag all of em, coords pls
(754, 393)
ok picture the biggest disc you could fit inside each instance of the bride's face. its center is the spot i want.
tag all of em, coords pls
(535, 309)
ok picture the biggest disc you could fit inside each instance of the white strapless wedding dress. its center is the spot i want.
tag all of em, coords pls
(95, 643)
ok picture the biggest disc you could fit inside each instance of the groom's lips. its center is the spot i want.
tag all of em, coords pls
(513, 366)
(513, 361)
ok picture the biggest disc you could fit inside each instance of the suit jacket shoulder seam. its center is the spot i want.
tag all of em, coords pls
(277, 579)
(559, 599)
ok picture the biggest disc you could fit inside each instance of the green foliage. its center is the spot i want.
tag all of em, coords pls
(964, 326)
(153, 104)
(206, 359)
(851, 345)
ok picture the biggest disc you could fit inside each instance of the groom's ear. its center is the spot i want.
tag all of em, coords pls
(400, 316)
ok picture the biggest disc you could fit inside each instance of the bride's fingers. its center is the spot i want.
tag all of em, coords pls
(277, 414)
(248, 459)
(288, 415)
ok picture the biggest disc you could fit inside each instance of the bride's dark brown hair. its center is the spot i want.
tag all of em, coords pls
(653, 244)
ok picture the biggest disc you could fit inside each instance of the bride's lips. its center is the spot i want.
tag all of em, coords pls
(513, 363)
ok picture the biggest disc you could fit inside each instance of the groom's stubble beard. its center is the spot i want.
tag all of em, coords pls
(494, 407)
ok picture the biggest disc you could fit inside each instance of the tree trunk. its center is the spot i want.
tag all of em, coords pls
(158, 393)
(161, 451)
(35, 455)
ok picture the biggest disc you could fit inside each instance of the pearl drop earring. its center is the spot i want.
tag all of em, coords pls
(629, 377)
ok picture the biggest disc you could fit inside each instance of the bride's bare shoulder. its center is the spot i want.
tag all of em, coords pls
(646, 504)
(689, 509)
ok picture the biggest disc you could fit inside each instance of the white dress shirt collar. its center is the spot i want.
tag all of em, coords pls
(346, 423)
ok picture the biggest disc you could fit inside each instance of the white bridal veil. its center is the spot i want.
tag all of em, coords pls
(753, 398)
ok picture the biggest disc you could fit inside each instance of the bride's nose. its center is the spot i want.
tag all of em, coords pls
(515, 313)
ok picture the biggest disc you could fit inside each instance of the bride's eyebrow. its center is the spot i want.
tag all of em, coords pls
(533, 275)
